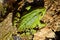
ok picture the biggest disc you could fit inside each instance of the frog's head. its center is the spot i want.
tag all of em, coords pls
(42, 12)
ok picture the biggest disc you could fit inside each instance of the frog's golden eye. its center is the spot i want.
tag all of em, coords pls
(41, 13)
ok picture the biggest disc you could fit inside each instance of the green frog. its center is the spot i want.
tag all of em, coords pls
(30, 21)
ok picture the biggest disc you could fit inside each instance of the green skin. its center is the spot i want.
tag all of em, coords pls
(31, 20)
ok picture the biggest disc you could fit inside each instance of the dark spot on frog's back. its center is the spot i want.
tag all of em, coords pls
(15, 37)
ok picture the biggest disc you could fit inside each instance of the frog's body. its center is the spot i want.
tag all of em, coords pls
(31, 20)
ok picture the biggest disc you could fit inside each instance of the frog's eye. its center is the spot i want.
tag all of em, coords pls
(41, 14)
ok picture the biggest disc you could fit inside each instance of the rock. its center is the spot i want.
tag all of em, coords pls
(43, 34)
(6, 27)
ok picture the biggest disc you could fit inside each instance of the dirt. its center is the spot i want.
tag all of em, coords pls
(51, 18)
